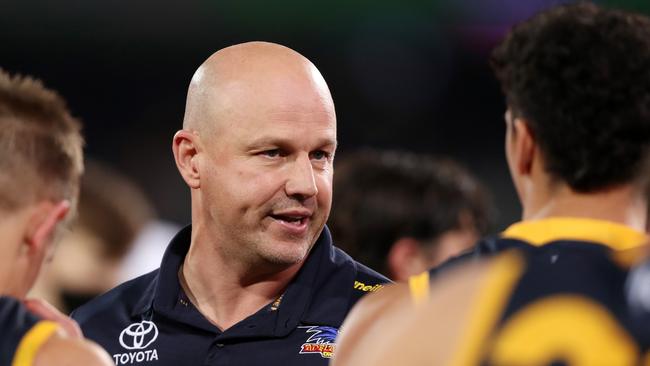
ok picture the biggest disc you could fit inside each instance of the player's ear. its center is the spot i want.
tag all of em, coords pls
(524, 146)
(185, 148)
(43, 221)
(404, 259)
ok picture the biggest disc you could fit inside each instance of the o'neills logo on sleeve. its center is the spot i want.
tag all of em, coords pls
(321, 341)
(136, 338)
(367, 288)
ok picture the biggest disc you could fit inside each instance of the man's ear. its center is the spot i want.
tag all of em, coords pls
(524, 146)
(42, 224)
(404, 259)
(185, 148)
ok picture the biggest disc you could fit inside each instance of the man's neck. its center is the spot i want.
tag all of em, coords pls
(226, 292)
(622, 204)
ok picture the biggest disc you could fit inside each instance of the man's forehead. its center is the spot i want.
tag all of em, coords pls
(272, 98)
(315, 127)
(245, 105)
(322, 114)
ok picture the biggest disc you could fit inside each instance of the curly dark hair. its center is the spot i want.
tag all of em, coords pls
(580, 76)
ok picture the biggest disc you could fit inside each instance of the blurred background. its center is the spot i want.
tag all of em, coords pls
(404, 74)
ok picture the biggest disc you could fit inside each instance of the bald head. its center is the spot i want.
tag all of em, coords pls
(252, 76)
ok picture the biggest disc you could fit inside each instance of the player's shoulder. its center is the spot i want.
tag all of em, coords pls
(28, 340)
(119, 300)
(12, 310)
(7, 301)
(15, 322)
(412, 315)
(455, 284)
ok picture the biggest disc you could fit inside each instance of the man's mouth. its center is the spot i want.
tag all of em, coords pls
(294, 220)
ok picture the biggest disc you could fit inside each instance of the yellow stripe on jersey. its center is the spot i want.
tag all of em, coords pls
(419, 287)
(499, 281)
(631, 257)
(540, 232)
(32, 342)
(569, 328)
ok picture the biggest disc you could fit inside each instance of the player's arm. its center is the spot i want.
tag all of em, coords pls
(60, 350)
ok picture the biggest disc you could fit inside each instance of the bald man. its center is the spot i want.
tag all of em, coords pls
(41, 161)
(255, 280)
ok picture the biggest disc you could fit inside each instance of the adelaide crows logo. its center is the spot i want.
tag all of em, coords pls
(322, 341)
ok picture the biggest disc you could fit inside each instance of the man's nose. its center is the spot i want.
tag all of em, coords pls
(301, 182)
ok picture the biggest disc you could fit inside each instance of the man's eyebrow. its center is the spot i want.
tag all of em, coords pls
(328, 142)
(281, 141)
(268, 141)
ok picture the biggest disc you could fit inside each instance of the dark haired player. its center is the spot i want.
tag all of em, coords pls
(567, 285)
(40, 166)
(402, 213)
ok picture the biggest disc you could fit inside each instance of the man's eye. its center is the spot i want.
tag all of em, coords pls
(271, 153)
(320, 155)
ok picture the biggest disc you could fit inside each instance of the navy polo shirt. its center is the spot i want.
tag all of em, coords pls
(150, 320)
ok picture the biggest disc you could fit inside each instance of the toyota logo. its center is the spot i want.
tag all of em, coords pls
(139, 335)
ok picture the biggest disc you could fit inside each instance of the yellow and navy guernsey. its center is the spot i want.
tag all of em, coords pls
(21, 333)
(150, 320)
(563, 291)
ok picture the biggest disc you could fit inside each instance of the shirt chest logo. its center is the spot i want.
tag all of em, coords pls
(135, 338)
(321, 340)
(139, 335)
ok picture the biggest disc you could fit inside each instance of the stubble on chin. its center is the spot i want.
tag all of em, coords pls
(284, 254)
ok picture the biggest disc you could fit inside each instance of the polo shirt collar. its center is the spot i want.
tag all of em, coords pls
(164, 292)
(319, 294)
(321, 291)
